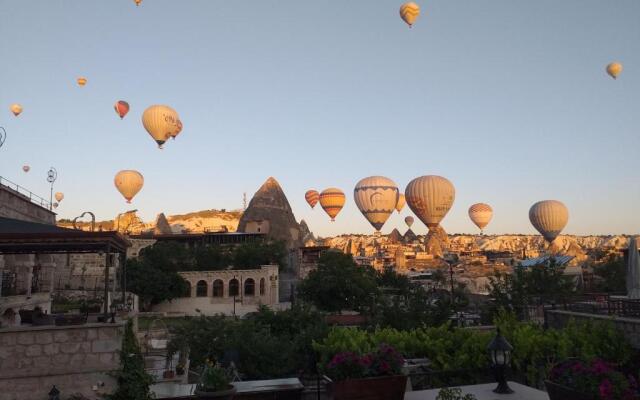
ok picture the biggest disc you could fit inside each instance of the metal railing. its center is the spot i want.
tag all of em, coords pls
(26, 193)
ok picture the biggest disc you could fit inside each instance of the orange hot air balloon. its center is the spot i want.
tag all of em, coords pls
(332, 200)
(614, 69)
(312, 197)
(59, 196)
(401, 202)
(82, 81)
(128, 183)
(409, 12)
(16, 109)
(121, 107)
(26, 168)
(137, 2)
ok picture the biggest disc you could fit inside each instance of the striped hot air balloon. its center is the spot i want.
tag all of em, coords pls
(480, 214)
(128, 183)
(409, 12)
(122, 108)
(312, 197)
(401, 203)
(549, 217)
(161, 122)
(430, 198)
(332, 200)
(376, 198)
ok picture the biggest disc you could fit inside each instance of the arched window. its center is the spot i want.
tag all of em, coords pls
(218, 288)
(187, 292)
(234, 287)
(262, 287)
(249, 287)
(201, 289)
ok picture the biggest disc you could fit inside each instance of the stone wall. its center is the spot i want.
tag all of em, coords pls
(17, 206)
(630, 327)
(76, 359)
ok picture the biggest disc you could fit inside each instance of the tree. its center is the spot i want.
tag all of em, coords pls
(255, 254)
(612, 274)
(133, 380)
(152, 284)
(339, 284)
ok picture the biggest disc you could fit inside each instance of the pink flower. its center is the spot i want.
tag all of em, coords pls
(600, 367)
(605, 389)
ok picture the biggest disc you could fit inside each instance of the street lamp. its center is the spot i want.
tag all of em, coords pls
(500, 353)
(52, 175)
(3, 136)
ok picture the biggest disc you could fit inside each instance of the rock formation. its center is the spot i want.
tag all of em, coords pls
(162, 225)
(269, 212)
(306, 234)
(409, 236)
(395, 237)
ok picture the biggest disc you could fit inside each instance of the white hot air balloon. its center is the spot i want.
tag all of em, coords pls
(128, 183)
(161, 122)
(549, 217)
(376, 198)
(59, 196)
(481, 214)
(430, 198)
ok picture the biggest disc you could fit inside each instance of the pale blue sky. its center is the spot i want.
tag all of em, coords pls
(506, 98)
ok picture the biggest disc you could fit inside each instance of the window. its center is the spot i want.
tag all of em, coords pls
(262, 287)
(201, 289)
(218, 288)
(234, 287)
(249, 287)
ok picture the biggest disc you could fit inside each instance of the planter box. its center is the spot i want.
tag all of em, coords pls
(221, 395)
(559, 392)
(377, 388)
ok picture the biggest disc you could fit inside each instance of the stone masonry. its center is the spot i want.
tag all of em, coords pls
(77, 359)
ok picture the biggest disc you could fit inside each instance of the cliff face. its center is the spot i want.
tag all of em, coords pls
(269, 212)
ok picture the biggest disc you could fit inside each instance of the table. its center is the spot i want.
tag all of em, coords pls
(272, 389)
(485, 392)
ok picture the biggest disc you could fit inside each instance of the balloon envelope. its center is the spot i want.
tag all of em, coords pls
(59, 196)
(121, 107)
(82, 81)
(430, 197)
(409, 221)
(376, 198)
(26, 168)
(549, 217)
(332, 200)
(409, 12)
(161, 122)
(128, 183)
(480, 214)
(16, 109)
(401, 202)
(177, 130)
(312, 197)
(55, 205)
(614, 69)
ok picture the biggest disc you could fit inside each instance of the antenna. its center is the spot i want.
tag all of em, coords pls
(244, 201)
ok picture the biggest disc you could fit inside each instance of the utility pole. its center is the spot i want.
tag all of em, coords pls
(52, 175)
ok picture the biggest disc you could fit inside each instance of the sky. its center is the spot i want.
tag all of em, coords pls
(508, 99)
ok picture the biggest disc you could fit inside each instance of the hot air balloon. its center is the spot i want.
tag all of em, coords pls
(55, 205)
(26, 168)
(16, 109)
(59, 196)
(121, 107)
(128, 182)
(376, 198)
(137, 2)
(430, 198)
(549, 217)
(177, 131)
(82, 81)
(401, 202)
(409, 221)
(409, 12)
(161, 122)
(312, 197)
(480, 215)
(614, 69)
(332, 200)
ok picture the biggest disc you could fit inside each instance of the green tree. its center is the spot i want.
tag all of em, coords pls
(211, 258)
(152, 284)
(339, 284)
(255, 254)
(612, 274)
(133, 380)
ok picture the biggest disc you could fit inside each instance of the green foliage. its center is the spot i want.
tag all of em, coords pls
(213, 378)
(133, 381)
(255, 254)
(339, 284)
(152, 284)
(612, 274)
(453, 394)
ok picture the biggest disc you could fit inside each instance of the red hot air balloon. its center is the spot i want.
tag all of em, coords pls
(312, 197)
(121, 107)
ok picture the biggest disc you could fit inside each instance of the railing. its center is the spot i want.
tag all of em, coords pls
(27, 194)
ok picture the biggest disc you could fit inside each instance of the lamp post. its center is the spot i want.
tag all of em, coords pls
(500, 353)
(54, 393)
(3, 136)
(52, 175)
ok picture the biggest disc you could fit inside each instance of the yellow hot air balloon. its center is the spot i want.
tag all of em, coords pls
(376, 198)
(59, 196)
(128, 182)
(16, 109)
(409, 221)
(82, 81)
(312, 197)
(480, 215)
(401, 202)
(409, 12)
(332, 200)
(549, 217)
(137, 2)
(161, 122)
(430, 198)
(26, 168)
(614, 69)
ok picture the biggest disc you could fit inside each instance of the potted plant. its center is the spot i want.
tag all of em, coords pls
(372, 376)
(180, 369)
(214, 383)
(595, 380)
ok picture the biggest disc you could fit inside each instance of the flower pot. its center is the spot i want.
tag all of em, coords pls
(560, 392)
(219, 395)
(376, 388)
